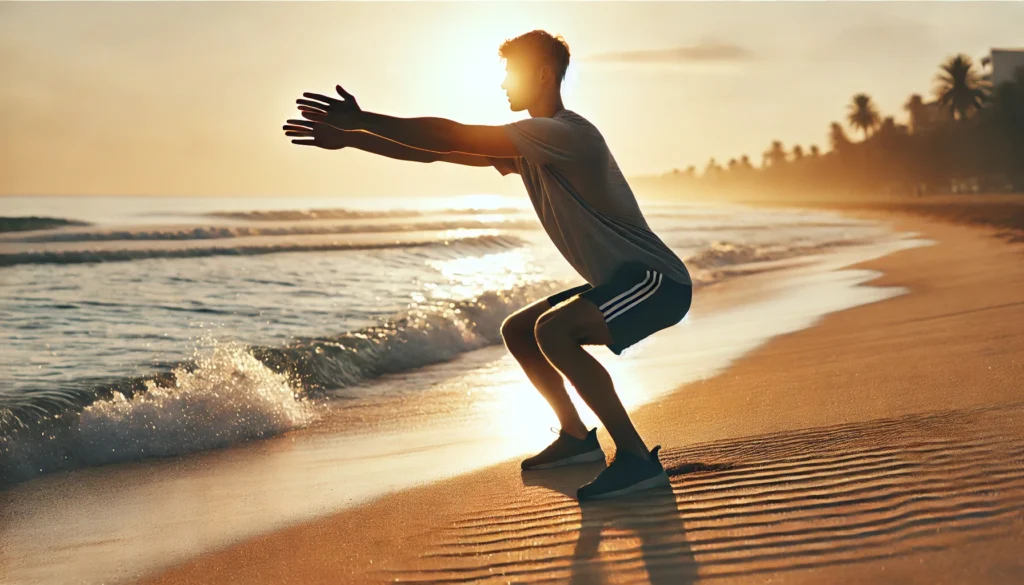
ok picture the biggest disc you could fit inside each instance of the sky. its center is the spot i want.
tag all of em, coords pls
(188, 98)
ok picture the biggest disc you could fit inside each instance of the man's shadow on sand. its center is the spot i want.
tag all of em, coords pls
(653, 516)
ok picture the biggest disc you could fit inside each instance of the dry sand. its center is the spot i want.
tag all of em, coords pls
(884, 445)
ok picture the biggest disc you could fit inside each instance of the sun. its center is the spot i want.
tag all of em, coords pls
(475, 72)
(464, 73)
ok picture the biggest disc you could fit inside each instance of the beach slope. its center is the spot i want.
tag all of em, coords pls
(883, 445)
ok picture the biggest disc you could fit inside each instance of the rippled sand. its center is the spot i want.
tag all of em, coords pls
(885, 444)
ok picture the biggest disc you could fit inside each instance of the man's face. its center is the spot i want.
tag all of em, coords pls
(521, 84)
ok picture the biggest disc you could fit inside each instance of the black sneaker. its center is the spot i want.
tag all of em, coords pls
(567, 450)
(627, 474)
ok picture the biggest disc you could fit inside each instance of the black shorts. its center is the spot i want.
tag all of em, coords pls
(637, 302)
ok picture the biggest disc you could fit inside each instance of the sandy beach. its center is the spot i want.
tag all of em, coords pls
(884, 444)
(255, 293)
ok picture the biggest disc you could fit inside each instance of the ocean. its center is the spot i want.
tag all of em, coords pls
(261, 308)
(227, 366)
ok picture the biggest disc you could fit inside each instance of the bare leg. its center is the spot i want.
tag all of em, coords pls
(561, 334)
(518, 333)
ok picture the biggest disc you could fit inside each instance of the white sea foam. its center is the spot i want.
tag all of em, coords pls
(319, 324)
(226, 397)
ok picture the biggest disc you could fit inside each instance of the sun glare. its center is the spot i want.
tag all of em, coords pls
(466, 72)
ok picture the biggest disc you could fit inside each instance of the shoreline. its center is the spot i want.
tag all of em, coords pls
(423, 434)
(1003, 211)
(255, 488)
(968, 268)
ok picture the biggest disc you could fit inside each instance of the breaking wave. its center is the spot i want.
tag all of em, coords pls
(127, 254)
(231, 393)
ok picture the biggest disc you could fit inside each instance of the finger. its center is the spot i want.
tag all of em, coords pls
(322, 98)
(314, 110)
(306, 142)
(344, 94)
(298, 133)
(314, 116)
(311, 103)
(304, 123)
(349, 98)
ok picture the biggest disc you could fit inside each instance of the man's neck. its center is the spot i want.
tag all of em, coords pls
(547, 108)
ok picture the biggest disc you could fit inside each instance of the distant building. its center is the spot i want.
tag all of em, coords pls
(1002, 63)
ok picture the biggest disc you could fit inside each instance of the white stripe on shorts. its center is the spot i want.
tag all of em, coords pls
(631, 298)
(657, 284)
(607, 307)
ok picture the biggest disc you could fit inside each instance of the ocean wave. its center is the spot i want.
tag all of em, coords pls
(720, 254)
(24, 224)
(224, 397)
(226, 232)
(720, 258)
(417, 338)
(339, 213)
(233, 393)
(130, 254)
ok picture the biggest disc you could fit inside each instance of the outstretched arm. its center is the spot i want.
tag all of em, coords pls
(433, 134)
(384, 147)
(438, 134)
(329, 138)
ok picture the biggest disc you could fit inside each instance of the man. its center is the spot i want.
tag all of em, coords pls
(635, 284)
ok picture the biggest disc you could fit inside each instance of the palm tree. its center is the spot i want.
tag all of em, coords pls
(837, 138)
(815, 151)
(712, 170)
(798, 153)
(917, 112)
(775, 156)
(745, 162)
(863, 115)
(959, 88)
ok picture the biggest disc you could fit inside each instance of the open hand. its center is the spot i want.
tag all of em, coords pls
(316, 134)
(341, 114)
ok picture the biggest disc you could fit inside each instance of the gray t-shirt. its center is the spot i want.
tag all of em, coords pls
(582, 199)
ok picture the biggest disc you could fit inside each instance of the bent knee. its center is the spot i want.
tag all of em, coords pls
(513, 326)
(548, 327)
(517, 331)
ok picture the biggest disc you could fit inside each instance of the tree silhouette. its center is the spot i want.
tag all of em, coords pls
(713, 170)
(977, 147)
(775, 156)
(863, 115)
(917, 112)
(959, 89)
(837, 138)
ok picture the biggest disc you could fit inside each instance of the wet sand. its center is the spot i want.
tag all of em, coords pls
(884, 444)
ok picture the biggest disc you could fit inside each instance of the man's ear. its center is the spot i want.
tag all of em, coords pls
(546, 73)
